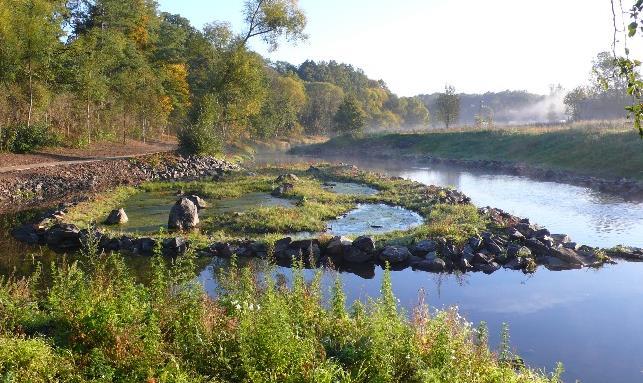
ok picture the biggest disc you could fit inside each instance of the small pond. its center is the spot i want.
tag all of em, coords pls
(374, 219)
(148, 211)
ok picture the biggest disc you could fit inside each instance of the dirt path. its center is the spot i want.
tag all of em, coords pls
(102, 152)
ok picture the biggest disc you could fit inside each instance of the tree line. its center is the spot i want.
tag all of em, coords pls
(77, 71)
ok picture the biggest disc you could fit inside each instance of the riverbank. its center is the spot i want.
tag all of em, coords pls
(47, 186)
(606, 156)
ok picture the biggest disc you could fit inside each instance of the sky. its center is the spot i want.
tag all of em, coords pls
(418, 46)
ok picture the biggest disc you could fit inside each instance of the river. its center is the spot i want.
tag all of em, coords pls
(590, 320)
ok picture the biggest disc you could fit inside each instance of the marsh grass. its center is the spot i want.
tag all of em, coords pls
(314, 206)
(96, 323)
(607, 149)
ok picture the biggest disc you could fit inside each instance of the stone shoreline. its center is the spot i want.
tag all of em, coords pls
(44, 186)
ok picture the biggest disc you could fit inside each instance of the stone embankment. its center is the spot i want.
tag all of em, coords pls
(37, 187)
(518, 245)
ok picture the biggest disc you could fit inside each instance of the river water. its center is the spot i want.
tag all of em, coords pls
(591, 320)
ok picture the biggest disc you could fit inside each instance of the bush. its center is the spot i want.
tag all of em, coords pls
(201, 137)
(25, 139)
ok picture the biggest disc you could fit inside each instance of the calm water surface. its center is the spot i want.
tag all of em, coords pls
(591, 320)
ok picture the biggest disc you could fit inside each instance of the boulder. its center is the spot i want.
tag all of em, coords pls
(222, 249)
(144, 246)
(287, 178)
(282, 244)
(282, 189)
(183, 216)
(475, 243)
(356, 255)
(117, 217)
(395, 254)
(514, 250)
(174, 246)
(424, 247)
(63, 237)
(365, 244)
(197, 201)
(517, 263)
(561, 238)
(489, 268)
(480, 259)
(26, 234)
(336, 246)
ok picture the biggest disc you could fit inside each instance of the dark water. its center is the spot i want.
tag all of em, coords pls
(591, 320)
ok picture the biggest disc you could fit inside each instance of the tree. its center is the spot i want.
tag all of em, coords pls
(280, 112)
(628, 68)
(273, 19)
(447, 107)
(350, 117)
(324, 100)
(415, 114)
(36, 24)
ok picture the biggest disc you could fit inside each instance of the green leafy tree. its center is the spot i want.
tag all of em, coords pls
(274, 19)
(447, 107)
(415, 114)
(350, 117)
(324, 100)
(36, 25)
(280, 112)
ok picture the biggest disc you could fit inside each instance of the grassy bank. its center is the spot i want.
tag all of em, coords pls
(95, 323)
(606, 149)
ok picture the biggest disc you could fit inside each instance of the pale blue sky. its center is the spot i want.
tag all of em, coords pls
(417, 46)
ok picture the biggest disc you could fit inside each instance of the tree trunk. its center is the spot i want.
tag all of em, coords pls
(30, 95)
(87, 124)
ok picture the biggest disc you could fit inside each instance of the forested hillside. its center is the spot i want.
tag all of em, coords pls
(78, 71)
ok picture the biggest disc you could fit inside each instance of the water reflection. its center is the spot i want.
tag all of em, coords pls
(587, 318)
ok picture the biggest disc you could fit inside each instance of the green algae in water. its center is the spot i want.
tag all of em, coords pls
(149, 211)
(374, 219)
(349, 188)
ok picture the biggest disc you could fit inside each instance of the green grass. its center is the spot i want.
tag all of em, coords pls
(607, 149)
(95, 323)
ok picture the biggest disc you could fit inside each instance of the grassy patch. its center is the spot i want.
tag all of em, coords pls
(313, 205)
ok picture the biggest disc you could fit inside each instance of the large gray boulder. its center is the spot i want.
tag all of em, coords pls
(395, 254)
(197, 201)
(337, 245)
(117, 217)
(183, 216)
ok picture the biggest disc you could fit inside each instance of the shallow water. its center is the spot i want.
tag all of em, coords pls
(149, 211)
(349, 188)
(374, 219)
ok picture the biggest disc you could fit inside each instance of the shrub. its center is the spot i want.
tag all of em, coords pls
(25, 139)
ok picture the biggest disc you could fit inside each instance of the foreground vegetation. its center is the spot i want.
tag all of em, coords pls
(93, 322)
(605, 149)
